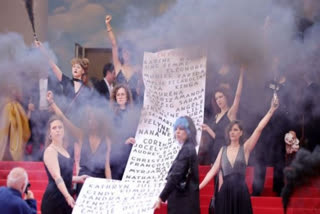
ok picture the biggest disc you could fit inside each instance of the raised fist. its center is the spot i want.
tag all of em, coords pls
(108, 19)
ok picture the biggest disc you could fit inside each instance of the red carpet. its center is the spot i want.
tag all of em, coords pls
(306, 200)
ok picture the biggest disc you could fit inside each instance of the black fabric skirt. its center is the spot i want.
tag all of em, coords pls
(233, 197)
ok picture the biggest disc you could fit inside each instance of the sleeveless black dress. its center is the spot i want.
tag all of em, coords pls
(125, 126)
(233, 197)
(53, 202)
(219, 129)
(92, 163)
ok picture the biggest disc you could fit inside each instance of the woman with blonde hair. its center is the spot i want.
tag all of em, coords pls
(14, 124)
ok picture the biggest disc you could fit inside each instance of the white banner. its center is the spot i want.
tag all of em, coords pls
(102, 196)
(174, 86)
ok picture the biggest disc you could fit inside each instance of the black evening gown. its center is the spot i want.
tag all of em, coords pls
(219, 129)
(53, 202)
(74, 101)
(220, 141)
(233, 197)
(92, 163)
(125, 123)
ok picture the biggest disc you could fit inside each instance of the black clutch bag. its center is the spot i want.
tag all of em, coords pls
(211, 205)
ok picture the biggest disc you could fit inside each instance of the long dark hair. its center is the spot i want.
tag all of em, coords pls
(226, 92)
(101, 118)
(228, 129)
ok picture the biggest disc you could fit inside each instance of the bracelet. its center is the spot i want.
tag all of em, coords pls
(58, 181)
(110, 29)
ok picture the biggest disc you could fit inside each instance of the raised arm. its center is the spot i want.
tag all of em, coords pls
(50, 159)
(213, 171)
(253, 139)
(75, 131)
(115, 56)
(56, 70)
(207, 128)
(108, 169)
(232, 114)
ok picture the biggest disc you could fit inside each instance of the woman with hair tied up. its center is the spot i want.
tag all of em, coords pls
(75, 90)
(57, 198)
(182, 187)
(232, 160)
(125, 119)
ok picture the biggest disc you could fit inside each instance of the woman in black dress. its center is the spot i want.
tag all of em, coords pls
(232, 160)
(58, 163)
(224, 115)
(216, 127)
(93, 141)
(125, 119)
(75, 90)
(184, 169)
(122, 57)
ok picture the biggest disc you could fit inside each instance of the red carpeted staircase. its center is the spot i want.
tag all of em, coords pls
(37, 176)
(306, 200)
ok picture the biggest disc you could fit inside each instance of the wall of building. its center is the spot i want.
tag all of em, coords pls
(14, 18)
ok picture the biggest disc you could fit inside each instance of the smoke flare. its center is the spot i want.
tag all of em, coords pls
(305, 166)
(29, 7)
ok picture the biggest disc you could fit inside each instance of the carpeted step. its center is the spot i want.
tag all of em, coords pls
(38, 194)
(307, 191)
(281, 211)
(306, 199)
(30, 165)
(35, 185)
(275, 202)
(257, 210)
(32, 174)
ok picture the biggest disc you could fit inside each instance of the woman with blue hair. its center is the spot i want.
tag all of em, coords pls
(182, 187)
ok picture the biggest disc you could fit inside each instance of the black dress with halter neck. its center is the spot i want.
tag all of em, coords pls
(219, 129)
(233, 197)
(92, 163)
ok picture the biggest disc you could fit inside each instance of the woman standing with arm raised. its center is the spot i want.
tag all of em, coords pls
(223, 117)
(94, 141)
(75, 90)
(234, 197)
(126, 71)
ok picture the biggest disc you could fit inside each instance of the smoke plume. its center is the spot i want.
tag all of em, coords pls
(304, 167)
